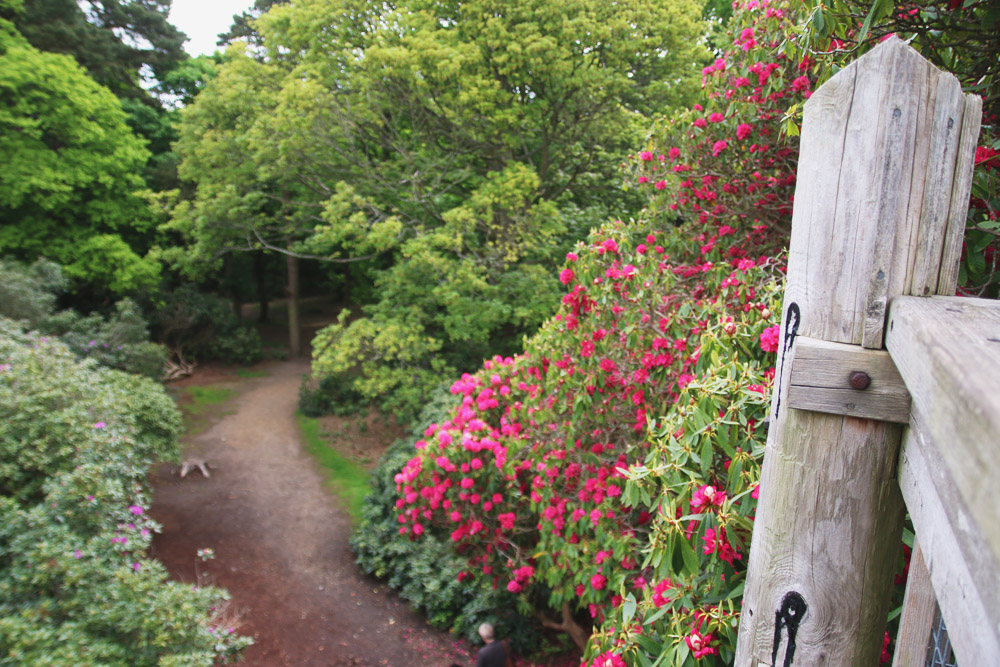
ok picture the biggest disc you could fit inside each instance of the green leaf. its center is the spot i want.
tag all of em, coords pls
(691, 563)
(628, 610)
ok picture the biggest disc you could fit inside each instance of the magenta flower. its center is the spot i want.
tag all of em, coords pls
(769, 339)
(135, 509)
(100, 425)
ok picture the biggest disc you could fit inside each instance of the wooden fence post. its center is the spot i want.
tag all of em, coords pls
(883, 185)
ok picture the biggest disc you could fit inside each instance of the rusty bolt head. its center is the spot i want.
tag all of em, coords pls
(859, 380)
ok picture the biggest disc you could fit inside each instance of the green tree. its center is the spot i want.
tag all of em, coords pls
(114, 40)
(72, 169)
(463, 138)
(238, 205)
(243, 27)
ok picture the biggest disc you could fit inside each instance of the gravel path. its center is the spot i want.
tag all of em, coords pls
(280, 541)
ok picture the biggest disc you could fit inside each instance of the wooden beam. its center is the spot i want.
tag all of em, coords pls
(948, 351)
(876, 145)
(919, 606)
(820, 381)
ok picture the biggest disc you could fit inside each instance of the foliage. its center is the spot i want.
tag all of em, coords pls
(75, 584)
(114, 40)
(527, 118)
(425, 572)
(328, 396)
(243, 28)
(196, 325)
(528, 474)
(70, 187)
(118, 340)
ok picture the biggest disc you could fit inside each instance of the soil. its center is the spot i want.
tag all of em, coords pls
(281, 539)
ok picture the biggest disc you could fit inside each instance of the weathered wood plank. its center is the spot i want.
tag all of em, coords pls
(919, 605)
(948, 351)
(962, 565)
(830, 509)
(820, 381)
(954, 234)
(944, 150)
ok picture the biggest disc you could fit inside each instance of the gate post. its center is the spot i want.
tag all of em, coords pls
(883, 186)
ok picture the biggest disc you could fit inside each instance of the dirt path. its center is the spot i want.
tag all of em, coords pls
(280, 542)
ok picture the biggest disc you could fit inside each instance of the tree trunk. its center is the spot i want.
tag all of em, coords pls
(568, 625)
(260, 273)
(292, 264)
(234, 295)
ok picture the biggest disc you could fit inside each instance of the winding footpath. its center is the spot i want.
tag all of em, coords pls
(281, 541)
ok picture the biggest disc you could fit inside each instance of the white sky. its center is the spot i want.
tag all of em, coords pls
(203, 20)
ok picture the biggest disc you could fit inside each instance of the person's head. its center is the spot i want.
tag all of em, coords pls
(486, 632)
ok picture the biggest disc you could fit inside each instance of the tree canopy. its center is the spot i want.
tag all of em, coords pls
(461, 141)
(71, 184)
(114, 40)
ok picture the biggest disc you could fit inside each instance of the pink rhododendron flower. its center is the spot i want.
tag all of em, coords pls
(598, 582)
(769, 339)
(608, 659)
(719, 146)
(645, 156)
(716, 117)
(699, 644)
(743, 130)
(658, 598)
(566, 276)
(660, 185)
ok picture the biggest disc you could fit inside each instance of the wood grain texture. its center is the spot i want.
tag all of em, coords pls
(819, 381)
(948, 351)
(830, 509)
(919, 606)
(962, 566)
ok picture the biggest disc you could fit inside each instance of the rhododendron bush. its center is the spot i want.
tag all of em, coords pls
(529, 475)
(77, 586)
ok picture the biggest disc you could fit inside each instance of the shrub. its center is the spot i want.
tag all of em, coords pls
(426, 572)
(76, 586)
(196, 325)
(330, 395)
(29, 294)
(119, 340)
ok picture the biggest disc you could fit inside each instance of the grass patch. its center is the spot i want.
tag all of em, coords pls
(249, 373)
(347, 479)
(203, 398)
(199, 405)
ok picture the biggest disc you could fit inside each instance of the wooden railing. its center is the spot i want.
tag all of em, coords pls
(884, 393)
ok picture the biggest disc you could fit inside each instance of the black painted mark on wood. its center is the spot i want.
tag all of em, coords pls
(792, 319)
(787, 617)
